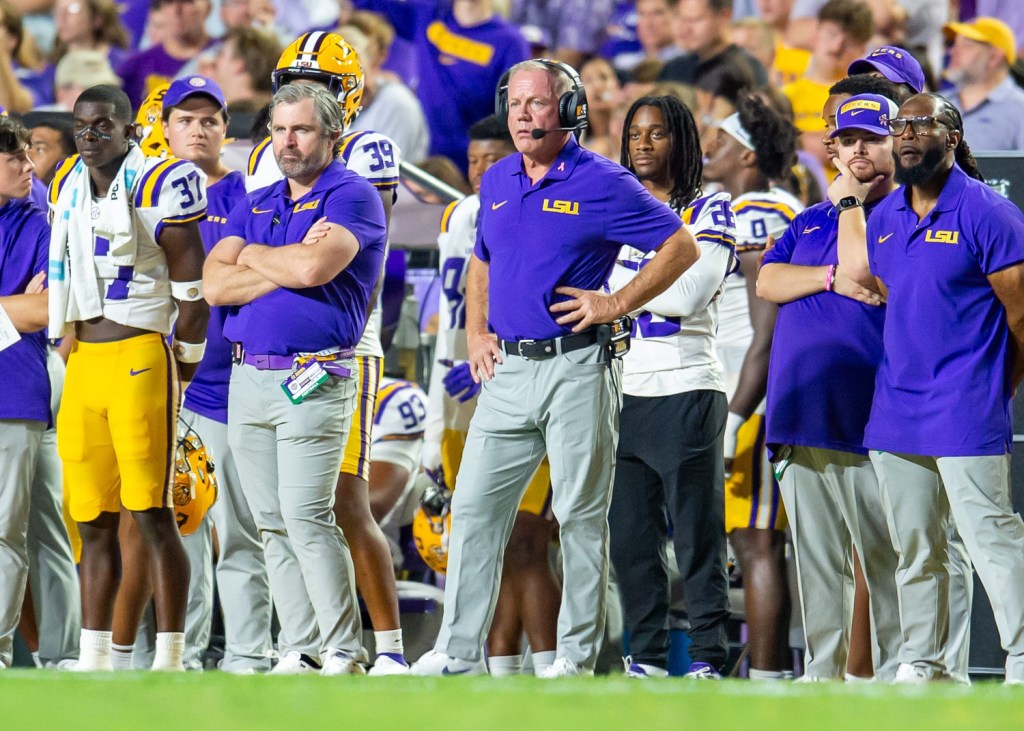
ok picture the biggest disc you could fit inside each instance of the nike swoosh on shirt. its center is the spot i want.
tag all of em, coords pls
(883, 239)
(255, 210)
(133, 372)
(496, 206)
(809, 229)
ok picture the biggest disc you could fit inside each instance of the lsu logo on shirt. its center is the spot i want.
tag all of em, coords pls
(942, 237)
(571, 208)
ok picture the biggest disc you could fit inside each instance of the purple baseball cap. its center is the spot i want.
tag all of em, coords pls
(189, 86)
(894, 63)
(869, 112)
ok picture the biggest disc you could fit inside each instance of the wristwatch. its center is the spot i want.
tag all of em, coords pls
(845, 204)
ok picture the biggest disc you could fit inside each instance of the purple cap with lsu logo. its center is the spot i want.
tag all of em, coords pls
(188, 86)
(894, 63)
(869, 112)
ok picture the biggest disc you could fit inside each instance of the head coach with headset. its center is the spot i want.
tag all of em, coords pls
(552, 220)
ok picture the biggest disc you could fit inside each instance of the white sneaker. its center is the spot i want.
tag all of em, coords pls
(642, 670)
(563, 667)
(388, 663)
(340, 663)
(295, 663)
(910, 674)
(436, 662)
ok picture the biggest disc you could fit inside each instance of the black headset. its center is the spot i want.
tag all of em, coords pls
(572, 105)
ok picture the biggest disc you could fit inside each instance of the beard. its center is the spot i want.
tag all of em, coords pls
(296, 166)
(932, 162)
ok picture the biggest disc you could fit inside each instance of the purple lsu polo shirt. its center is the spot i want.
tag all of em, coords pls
(943, 388)
(288, 321)
(825, 351)
(24, 252)
(565, 231)
(207, 394)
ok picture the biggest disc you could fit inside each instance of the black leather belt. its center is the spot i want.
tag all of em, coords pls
(544, 349)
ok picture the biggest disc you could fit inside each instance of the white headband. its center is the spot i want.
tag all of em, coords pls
(732, 126)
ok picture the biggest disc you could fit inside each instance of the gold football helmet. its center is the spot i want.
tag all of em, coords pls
(149, 119)
(432, 525)
(327, 59)
(195, 484)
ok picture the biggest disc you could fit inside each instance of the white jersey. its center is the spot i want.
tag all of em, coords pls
(455, 246)
(398, 421)
(673, 343)
(132, 277)
(371, 155)
(759, 214)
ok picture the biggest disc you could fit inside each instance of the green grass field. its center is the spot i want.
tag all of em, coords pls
(54, 700)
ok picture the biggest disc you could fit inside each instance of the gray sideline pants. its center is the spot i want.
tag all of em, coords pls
(568, 408)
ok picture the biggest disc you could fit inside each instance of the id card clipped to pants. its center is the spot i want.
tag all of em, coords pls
(310, 373)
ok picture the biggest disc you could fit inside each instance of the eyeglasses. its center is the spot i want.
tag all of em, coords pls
(102, 136)
(920, 125)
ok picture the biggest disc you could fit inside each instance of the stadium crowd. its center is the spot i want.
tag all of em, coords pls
(724, 296)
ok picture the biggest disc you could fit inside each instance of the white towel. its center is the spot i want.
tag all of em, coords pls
(74, 282)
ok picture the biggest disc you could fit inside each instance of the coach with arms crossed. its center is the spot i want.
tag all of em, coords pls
(552, 220)
(298, 263)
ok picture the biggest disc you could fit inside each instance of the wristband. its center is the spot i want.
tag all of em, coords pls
(188, 352)
(733, 422)
(830, 278)
(187, 291)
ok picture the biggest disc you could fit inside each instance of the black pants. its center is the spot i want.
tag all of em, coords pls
(670, 467)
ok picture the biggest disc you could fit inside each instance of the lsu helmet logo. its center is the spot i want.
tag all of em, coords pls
(942, 237)
(195, 485)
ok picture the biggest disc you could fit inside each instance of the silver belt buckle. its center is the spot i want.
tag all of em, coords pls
(520, 345)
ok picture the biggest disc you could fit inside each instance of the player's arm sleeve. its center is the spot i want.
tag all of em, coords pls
(694, 291)
(262, 169)
(176, 189)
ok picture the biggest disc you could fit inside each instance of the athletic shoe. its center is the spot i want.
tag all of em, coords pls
(436, 662)
(703, 671)
(296, 663)
(340, 663)
(909, 674)
(389, 663)
(642, 670)
(563, 667)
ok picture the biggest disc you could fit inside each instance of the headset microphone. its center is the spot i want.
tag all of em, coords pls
(538, 132)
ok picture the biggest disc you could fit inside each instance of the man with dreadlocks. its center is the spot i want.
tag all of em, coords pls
(673, 379)
(949, 253)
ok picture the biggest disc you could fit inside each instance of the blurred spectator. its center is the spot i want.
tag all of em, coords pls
(718, 89)
(654, 24)
(185, 37)
(757, 38)
(75, 73)
(461, 54)
(90, 25)
(789, 61)
(242, 67)
(1010, 12)
(844, 27)
(979, 66)
(604, 94)
(22, 85)
(50, 142)
(295, 17)
(389, 106)
(444, 170)
(702, 33)
(575, 28)
(620, 33)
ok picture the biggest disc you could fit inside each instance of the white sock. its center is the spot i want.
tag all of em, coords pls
(121, 656)
(94, 650)
(502, 666)
(389, 641)
(755, 674)
(36, 660)
(543, 660)
(851, 678)
(787, 674)
(170, 648)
